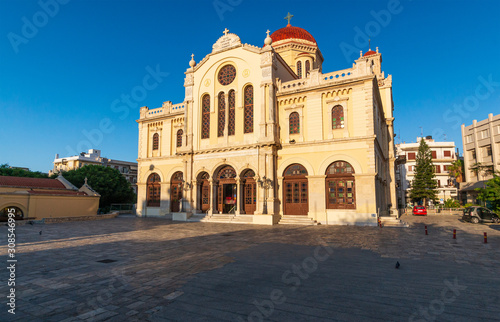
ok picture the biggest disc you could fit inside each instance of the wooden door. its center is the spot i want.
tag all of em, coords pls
(250, 196)
(176, 196)
(296, 197)
(205, 196)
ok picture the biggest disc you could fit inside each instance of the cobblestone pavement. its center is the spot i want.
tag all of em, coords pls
(147, 269)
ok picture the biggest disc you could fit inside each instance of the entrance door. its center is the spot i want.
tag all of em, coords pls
(205, 196)
(204, 192)
(176, 192)
(249, 191)
(227, 198)
(295, 192)
(250, 194)
(226, 190)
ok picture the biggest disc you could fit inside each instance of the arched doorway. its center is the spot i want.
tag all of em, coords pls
(295, 192)
(203, 191)
(340, 186)
(11, 212)
(176, 192)
(249, 191)
(153, 190)
(226, 190)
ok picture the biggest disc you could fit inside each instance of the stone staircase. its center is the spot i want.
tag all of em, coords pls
(222, 218)
(297, 220)
(392, 222)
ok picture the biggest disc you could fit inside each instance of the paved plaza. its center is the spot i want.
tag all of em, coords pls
(149, 269)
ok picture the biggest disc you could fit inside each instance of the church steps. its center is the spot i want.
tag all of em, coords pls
(297, 220)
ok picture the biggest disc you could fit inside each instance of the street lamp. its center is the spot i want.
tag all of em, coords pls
(265, 183)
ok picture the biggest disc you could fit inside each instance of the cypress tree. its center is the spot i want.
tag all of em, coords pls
(424, 185)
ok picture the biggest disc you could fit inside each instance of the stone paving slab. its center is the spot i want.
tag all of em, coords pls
(166, 271)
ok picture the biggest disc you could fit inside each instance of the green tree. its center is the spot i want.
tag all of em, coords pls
(451, 203)
(491, 192)
(108, 182)
(6, 170)
(424, 185)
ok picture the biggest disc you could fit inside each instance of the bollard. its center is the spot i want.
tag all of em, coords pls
(426, 230)
(454, 234)
(485, 238)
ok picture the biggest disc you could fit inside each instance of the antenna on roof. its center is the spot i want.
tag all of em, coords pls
(421, 131)
(369, 44)
(444, 137)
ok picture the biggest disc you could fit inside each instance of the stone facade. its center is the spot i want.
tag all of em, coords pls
(263, 132)
(481, 142)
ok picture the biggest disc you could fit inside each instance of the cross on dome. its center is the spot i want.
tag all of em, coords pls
(289, 17)
(268, 32)
(192, 56)
(225, 32)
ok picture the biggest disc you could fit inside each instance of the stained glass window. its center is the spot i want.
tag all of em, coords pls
(222, 115)
(231, 116)
(296, 170)
(156, 141)
(227, 74)
(294, 121)
(337, 117)
(249, 174)
(177, 176)
(153, 190)
(340, 167)
(205, 121)
(299, 69)
(308, 67)
(227, 173)
(179, 138)
(249, 109)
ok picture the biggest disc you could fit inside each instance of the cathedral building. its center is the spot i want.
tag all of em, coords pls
(264, 136)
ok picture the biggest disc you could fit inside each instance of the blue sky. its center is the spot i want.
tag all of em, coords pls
(66, 70)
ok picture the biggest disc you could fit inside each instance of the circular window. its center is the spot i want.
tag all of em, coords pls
(227, 75)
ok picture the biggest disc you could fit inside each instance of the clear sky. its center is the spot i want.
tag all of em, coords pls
(72, 72)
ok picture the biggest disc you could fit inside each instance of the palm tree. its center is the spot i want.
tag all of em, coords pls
(477, 168)
(457, 170)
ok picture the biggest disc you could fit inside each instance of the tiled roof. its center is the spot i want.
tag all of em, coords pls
(370, 52)
(290, 32)
(57, 192)
(30, 182)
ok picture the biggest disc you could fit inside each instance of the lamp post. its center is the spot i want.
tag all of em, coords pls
(265, 183)
(185, 187)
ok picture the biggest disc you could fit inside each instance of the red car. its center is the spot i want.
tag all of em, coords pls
(419, 211)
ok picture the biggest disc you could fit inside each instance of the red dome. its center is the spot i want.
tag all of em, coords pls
(290, 32)
(370, 52)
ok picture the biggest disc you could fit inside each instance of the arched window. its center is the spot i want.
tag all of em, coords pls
(337, 117)
(340, 186)
(222, 114)
(249, 109)
(231, 116)
(179, 138)
(153, 191)
(227, 173)
(156, 141)
(294, 121)
(299, 69)
(308, 67)
(205, 121)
